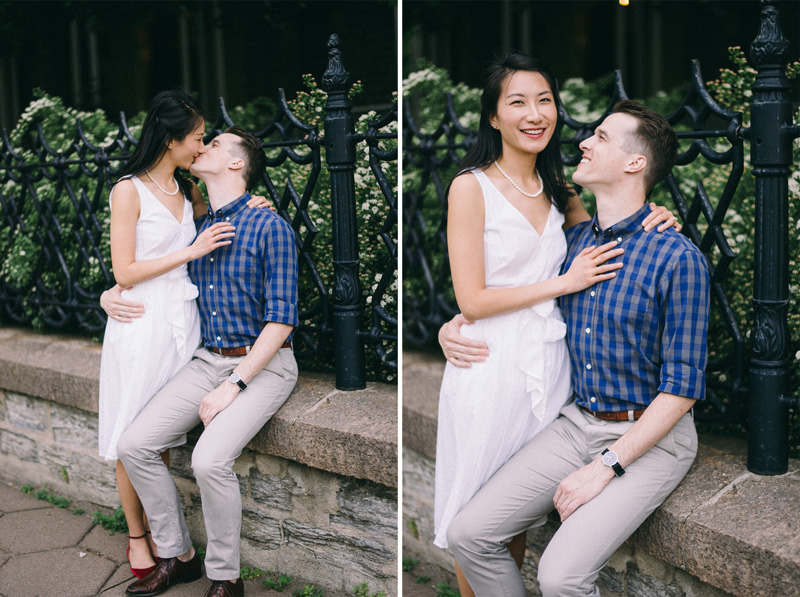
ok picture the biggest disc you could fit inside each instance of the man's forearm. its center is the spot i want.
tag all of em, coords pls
(656, 421)
(267, 344)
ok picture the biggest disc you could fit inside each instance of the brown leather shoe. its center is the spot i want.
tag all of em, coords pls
(226, 588)
(168, 572)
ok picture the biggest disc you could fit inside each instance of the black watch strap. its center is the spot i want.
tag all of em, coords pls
(615, 465)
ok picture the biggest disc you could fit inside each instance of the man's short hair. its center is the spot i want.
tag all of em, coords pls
(250, 150)
(654, 138)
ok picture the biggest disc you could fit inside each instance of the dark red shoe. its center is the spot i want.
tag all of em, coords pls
(226, 588)
(168, 572)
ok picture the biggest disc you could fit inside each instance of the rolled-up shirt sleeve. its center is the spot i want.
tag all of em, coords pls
(685, 300)
(281, 274)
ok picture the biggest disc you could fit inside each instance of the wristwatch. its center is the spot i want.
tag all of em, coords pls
(237, 379)
(611, 459)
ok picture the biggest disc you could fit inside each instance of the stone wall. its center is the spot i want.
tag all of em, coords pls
(723, 531)
(318, 483)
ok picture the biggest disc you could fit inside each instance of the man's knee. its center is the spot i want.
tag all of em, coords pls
(557, 577)
(127, 445)
(461, 534)
(205, 466)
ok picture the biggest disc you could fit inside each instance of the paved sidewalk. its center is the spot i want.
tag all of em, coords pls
(47, 551)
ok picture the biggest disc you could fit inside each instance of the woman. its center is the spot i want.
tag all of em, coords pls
(507, 209)
(152, 239)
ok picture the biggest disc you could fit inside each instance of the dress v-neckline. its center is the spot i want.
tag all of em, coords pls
(519, 213)
(157, 200)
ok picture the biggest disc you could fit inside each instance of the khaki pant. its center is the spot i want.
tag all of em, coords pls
(163, 424)
(522, 491)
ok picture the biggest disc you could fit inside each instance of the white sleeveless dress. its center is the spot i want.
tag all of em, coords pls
(489, 411)
(141, 356)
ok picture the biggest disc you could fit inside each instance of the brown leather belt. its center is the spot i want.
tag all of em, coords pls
(623, 415)
(239, 351)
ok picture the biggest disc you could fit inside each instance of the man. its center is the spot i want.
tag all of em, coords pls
(244, 371)
(638, 355)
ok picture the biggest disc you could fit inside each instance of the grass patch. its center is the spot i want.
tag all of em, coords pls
(308, 591)
(362, 590)
(277, 584)
(444, 589)
(45, 495)
(115, 523)
(250, 573)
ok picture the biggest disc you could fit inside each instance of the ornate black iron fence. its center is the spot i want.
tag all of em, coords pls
(63, 225)
(713, 134)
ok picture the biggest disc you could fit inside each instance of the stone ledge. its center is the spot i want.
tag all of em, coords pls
(348, 433)
(732, 529)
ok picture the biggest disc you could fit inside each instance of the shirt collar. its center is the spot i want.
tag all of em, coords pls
(231, 209)
(624, 229)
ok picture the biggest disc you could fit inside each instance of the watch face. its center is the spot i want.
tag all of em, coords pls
(610, 458)
(235, 377)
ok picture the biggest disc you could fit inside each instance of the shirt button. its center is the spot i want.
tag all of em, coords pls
(211, 286)
(593, 399)
(619, 239)
(588, 365)
(212, 259)
(588, 330)
(218, 338)
(591, 293)
(214, 313)
(227, 219)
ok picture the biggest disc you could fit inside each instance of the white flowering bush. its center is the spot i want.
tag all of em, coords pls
(22, 265)
(50, 246)
(425, 95)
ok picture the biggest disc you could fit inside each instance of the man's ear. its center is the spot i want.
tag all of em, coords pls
(236, 164)
(636, 164)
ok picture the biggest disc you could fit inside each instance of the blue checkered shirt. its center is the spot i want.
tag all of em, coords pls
(644, 331)
(248, 283)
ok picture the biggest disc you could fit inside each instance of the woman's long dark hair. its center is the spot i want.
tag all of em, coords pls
(488, 146)
(171, 115)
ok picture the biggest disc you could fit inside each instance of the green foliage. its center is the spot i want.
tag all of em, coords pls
(414, 528)
(27, 489)
(362, 590)
(421, 579)
(425, 92)
(308, 591)
(115, 523)
(78, 511)
(409, 564)
(278, 584)
(21, 249)
(444, 589)
(586, 101)
(250, 573)
(45, 495)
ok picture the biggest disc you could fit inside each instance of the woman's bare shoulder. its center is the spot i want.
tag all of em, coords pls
(465, 182)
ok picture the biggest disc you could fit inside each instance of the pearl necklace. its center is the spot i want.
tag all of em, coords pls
(516, 186)
(177, 186)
